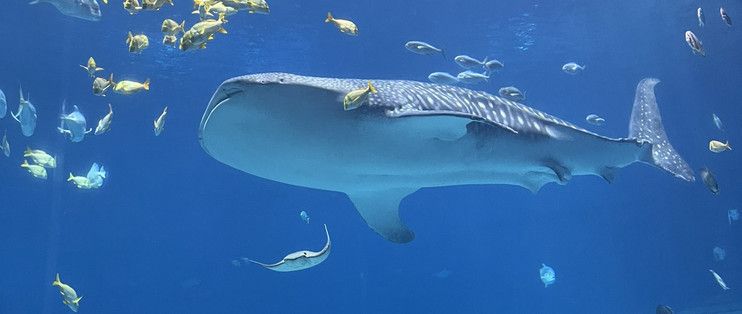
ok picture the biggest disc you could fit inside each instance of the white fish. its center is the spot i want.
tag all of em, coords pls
(160, 122)
(717, 122)
(3, 105)
(423, 48)
(468, 62)
(512, 93)
(26, 115)
(733, 215)
(719, 280)
(104, 124)
(719, 254)
(5, 145)
(304, 216)
(594, 119)
(443, 78)
(701, 17)
(470, 77)
(73, 124)
(300, 260)
(695, 44)
(572, 68)
(725, 17)
(547, 274)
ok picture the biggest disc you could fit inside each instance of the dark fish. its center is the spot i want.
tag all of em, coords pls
(725, 17)
(664, 309)
(709, 180)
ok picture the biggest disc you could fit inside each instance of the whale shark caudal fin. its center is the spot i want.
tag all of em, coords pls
(380, 210)
(646, 126)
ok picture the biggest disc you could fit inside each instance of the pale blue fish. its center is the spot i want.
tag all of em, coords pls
(470, 77)
(468, 62)
(304, 216)
(443, 78)
(594, 119)
(26, 115)
(547, 274)
(733, 215)
(301, 260)
(493, 65)
(719, 254)
(412, 135)
(96, 175)
(512, 93)
(717, 122)
(82, 9)
(73, 125)
(423, 48)
(3, 105)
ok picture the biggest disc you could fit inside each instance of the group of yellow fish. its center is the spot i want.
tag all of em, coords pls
(41, 160)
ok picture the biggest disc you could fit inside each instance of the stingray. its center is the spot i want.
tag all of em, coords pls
(411, 135)
(300, 260)
(73, 124)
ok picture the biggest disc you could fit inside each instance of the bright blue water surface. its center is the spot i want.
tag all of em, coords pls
(160, 236)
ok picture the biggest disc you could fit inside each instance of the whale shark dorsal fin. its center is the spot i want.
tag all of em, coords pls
(380, 210)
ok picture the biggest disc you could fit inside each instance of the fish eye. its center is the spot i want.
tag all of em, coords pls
(280, 80)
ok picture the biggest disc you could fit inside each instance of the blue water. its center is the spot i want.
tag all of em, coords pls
(160, 236)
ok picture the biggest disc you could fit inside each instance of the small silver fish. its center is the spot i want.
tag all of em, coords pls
(701, 17)
(572, 68)
(304, 216)
(717, 122)
(709, 180)
(725, 17)
(3, 105)
(423, 48)
(467, 62)
(443, 78)
(720, 281)
(594, 119)
(694, 43)
(88, 10)
(5, 145)
(512, 93)
(470, 77)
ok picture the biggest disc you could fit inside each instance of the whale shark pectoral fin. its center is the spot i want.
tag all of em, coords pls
(380, 210)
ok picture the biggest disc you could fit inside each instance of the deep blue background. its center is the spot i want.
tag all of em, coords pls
(159, 237)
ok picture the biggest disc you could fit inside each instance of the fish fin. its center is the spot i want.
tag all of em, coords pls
(15, 116)
(110, 79)
(371, 87)
(56, 281)
(182, 27)
(70, 177)
(562, 173)
(608, 174)
(380, 210)
(223, 31)
(646, 127)
(84, 67)
(77, 301)
(146, 84)
(89, 130)
(329, 18)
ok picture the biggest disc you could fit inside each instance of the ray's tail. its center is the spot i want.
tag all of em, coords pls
(646, 126)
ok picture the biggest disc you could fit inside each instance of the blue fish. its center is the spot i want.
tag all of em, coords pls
(547, 274)
(95, 175)
(470, 77)
(411, 135)
(26, 115)
(443, 78)
(88, 10)
(73, 125)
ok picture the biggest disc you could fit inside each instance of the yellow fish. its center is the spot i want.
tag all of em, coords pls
(137, 43)
(91, 68)
(35, 170)
(69, 295)
(344, 26)
(130, 87)
(718, 147)
(40, 158)
(356, 98)
(170, 27)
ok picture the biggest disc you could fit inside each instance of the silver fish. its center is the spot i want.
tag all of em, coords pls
(512, 93)
(3, 105)
(725, 17)
(701, 17)
(468, 62)
(82, 9)
(73, 124)
(5, 145)
(572, 68)
(443, 78)
(470, 77)
(709, 180)
(423, 48)
(717, 122)
(594, 119)
(493, 65)
(26, 115)
(694, 43)
(720, 281)
(302, 259)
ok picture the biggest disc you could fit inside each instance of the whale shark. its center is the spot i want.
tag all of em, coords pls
(411, 135)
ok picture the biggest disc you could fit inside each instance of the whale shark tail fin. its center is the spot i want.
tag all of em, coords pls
(646, 127)
(380, 210)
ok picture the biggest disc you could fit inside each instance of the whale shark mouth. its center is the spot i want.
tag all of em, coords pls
(293, 129)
